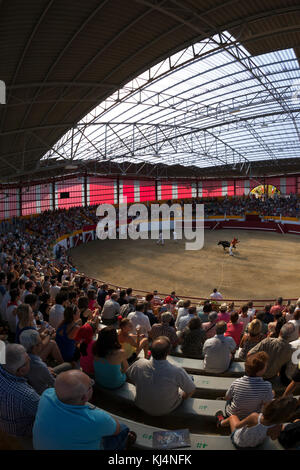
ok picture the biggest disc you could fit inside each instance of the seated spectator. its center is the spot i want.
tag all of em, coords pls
(102, 293)
(66, 421)
(25, 320)
(223, 314)
(192, 339)
(148, 310)
(126, 309)
(85, 337)
(138, 318)
(182, 311)
(250, 339)
(83, 305)
(267, 315)
(244, 317)
(40, 376)
(185, 319)
(110, 362)
(253, 430)
(278, 307)
(29, 288)
(122, 298)
(160, 386)
(296, 322)
(289, 312)
(128, 293)
(111, 310)
(272, 324)
(294, 372)
(249, 393)
(251, 310)
(56, 314)
(164, 329)
(66, 334)
(54, 289)
(203, 315)
(210, 326)
(92, 301)
(170, 298)
(219, 350)
(235, 328)
(264, 327)
(278, 325)
(11, 309)
(44, 307)
(156, 300)
(131, 344)
(278, 350)
(19, 401)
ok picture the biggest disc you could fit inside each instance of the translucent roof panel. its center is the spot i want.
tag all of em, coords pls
(210, 104)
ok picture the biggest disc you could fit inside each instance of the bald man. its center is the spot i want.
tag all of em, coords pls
(66, 421)
(160, 386)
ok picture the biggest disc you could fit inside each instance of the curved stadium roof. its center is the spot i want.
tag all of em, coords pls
(217, 83)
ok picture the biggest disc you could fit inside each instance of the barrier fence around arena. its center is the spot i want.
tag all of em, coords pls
(248, 221)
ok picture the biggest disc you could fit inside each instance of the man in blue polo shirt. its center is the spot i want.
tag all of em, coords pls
(66, 421)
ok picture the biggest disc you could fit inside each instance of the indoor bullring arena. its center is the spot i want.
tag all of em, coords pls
(149, 227)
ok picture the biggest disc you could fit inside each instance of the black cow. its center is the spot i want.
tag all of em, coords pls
(225, 244)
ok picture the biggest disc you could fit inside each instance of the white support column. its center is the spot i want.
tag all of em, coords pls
(55, 195)
(82, 191)
(136, 189)
(6, 204)
(194, 189)
(38, 198)
(88, 199)
(283, 185)
(116, 191)
(174, 190)
(247, 187)
(200, 189)
(224, 188)
(120, 193)
(18, 201)
(159, 190)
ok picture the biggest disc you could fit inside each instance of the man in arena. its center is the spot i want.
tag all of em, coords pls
(234, 242)
(160, 240)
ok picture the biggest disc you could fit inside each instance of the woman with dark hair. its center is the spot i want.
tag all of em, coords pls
(268, 316)
(234, 328)
(67, 332)
(84, 311)
(149, 310)
(274, 327)
(192, 339)
(122, 298)
(110, 362)
(85, 337)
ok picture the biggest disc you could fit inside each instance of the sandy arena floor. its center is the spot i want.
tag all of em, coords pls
(265, 265)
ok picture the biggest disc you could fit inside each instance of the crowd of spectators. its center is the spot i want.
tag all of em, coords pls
(53, 224)
(64, 333)
(285, 206)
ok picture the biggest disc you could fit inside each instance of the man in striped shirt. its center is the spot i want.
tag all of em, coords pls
(247, 394)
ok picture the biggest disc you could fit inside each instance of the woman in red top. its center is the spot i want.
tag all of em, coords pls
(234, 328)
